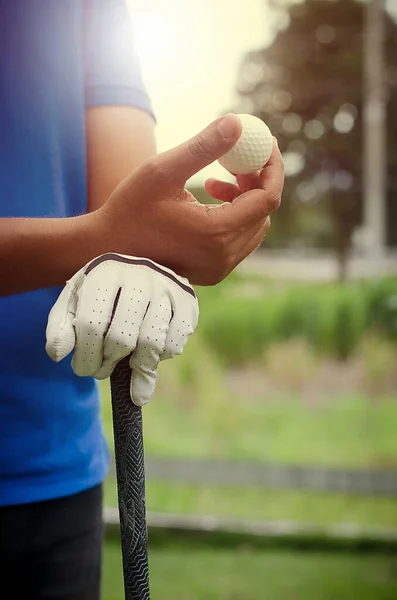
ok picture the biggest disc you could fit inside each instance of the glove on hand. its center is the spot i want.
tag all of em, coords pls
(120, 305)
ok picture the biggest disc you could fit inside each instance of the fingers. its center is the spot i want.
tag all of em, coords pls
(254, 205)
(150, 345)
(256, 195)
(249, 181)
(255, 241)
(94, 317)
(222, 190)
(122, 334)
(182, 324)
(255, 180)
(227, 192)
(180, 163)
(272, 175)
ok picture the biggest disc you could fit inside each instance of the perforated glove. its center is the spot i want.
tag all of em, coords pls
(120, 305)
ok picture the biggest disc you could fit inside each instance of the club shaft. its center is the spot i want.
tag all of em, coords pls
(130, 468)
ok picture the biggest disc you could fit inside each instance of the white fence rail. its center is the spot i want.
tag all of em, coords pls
(375, 482)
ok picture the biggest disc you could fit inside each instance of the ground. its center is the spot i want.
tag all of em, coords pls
(188, 573)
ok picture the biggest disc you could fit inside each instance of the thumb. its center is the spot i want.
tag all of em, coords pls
(183, 161)
(60, 334)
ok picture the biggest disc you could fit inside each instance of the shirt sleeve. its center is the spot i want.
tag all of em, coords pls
(112, 71)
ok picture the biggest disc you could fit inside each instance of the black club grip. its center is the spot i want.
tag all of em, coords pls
(130, 469)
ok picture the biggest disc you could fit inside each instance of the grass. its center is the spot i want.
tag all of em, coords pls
(319, 509)
(204, 574)
(348, 431)
(198, 412)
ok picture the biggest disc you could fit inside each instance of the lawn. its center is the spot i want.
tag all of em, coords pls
(320, 509)
(346, 432)
(291, 406)
(188, 573)
(301, 407)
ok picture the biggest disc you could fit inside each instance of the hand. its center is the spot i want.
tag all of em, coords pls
(228, 192)
(151, 214)
(120, 305)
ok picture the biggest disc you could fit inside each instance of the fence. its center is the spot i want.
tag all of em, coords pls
(350, 481)
(241, 474)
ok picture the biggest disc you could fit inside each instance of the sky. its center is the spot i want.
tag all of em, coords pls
(190, 52)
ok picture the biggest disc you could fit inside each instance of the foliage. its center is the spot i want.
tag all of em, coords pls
(332, 317)
(308, 86)
(349, 322)
(382, 307)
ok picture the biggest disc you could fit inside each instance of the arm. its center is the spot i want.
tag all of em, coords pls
(38, 253)
(119, 139)
(119, 121)
(150, 214)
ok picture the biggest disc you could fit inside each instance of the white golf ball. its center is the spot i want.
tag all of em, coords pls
(253, 148)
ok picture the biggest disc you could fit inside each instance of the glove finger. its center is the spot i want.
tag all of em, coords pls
(183, 323)
(98, 300)
(122, 335)
(60, 333)
(150, 345)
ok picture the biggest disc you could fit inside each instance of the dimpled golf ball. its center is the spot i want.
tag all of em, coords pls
(252, 150)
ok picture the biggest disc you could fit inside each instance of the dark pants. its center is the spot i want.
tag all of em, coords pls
(52, 549)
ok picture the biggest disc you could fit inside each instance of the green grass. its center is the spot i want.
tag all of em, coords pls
(180, 573)
(319, 509)
(195, 415)
(347, 431)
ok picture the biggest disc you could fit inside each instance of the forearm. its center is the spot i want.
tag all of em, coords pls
(40, 253)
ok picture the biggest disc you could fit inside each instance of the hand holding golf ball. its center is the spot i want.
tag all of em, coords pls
(152, 214)
(253, 157)
(252, 150)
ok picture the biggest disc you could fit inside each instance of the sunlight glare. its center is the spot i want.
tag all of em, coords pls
(190, 53)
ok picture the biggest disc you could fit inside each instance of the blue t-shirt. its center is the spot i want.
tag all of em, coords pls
(56, 59)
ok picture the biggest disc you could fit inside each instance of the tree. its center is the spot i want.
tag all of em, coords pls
(307, 85)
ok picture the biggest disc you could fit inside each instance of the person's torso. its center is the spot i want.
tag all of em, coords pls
(51, 441)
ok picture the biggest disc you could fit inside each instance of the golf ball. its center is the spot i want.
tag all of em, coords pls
(253, 148)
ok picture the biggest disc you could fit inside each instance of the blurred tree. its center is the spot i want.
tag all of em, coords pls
(307, 85)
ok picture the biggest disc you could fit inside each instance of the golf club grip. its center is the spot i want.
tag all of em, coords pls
(130, 468)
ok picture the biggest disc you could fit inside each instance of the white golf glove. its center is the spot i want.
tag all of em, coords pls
(120, 305)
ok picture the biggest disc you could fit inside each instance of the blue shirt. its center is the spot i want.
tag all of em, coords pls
(56, 59)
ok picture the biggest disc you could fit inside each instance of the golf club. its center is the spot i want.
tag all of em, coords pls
(130, 469)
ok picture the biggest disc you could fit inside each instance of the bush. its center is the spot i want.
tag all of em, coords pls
(349, 322)
(333, 318)
(237, 330)
(382, 307)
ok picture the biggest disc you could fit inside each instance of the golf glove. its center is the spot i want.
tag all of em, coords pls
(118, 306)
